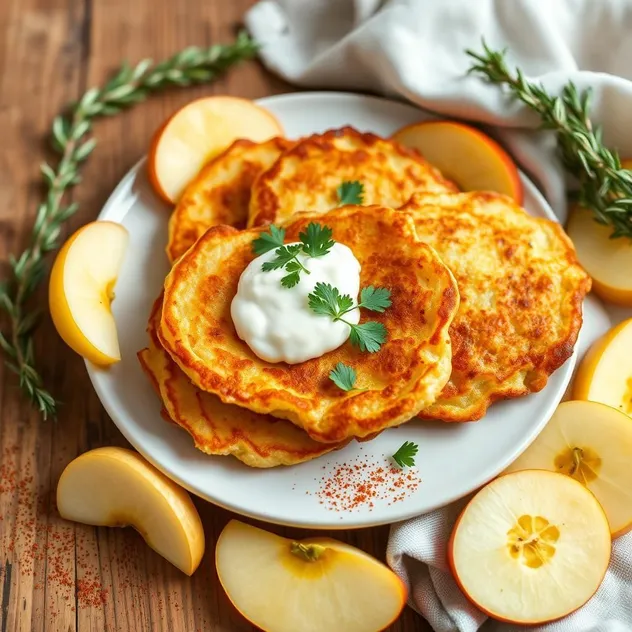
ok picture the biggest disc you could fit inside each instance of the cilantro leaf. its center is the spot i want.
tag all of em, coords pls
(290, 280)
(375, 299)
(284, 256)
(350, 193)
(405, 456)
(369, 336)
(268, 241)
(327, 300)
(316, 240)
(343, 376)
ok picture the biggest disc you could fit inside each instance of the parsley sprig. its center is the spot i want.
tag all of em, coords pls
(327, 300)
(350, 193)
(344, 377)
(316, 241)
(405, 456)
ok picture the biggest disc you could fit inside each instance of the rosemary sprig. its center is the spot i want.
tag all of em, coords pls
(604, 187)
(132, 84)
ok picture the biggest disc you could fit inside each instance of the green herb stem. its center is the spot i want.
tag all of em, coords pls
(129, 86)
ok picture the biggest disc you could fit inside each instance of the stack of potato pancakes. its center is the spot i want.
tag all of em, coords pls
(486, 300)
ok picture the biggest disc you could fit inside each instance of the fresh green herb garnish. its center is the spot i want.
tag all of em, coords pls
(72, 143)
(604, 186)
(405, 456)
(369, 336)
(327, 301)
(268, 241)
(316, 241)
(350, 193)
(343, 376)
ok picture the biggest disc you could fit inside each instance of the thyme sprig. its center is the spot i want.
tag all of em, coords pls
(130, 85)
(604, 186)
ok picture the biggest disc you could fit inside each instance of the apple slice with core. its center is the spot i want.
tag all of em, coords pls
(81, 290)
(592, 443)
(320, 585)
(530, 547)
(605, 374)
(197, 133)
(114, 487)
(471, 159)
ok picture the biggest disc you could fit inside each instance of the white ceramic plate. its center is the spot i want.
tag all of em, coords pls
(453, 460)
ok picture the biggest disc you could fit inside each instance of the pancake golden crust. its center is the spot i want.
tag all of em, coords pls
(216, 428)
(403, 377)
(521, 290)
(220, 193)
(306, 177)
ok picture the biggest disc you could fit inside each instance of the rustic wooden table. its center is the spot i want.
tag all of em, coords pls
(55, 575)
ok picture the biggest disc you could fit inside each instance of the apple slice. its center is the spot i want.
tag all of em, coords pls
(607, 261)
(319, 584)
(198, 132)
(530, 547)
(465, 155)
(114, 487)
(81, 290)
(604, 375)
(592, 443)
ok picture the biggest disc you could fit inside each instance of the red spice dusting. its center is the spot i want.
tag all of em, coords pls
(61, 557)
(359, 484)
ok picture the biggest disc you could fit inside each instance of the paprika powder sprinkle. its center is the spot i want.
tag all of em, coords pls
(359, 484)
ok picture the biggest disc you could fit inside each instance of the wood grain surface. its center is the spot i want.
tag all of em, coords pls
(55, 575)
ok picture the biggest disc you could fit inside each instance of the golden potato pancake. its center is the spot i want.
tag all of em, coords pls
(220, 193)
(216, 428)
(306, 177)
(403, 377)
(521, 290)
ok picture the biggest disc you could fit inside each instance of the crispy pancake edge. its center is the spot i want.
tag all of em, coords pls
(428, 377)
(292, 447)
(534, 376)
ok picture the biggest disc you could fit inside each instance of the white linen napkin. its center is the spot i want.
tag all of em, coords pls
(414, 50)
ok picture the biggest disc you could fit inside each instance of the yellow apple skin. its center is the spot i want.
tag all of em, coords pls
(343, 590)
(113, 239)
(607, 261)
(600, 541)
(601, 376)
(592, 443)
(115, 487)
(197, 133)
(465, 155)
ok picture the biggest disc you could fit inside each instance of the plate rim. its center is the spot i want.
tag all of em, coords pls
(110, 212)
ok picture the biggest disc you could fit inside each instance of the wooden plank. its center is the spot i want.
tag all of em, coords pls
(55, 575)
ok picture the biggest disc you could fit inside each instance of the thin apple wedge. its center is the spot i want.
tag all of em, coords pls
(604, 375)
(530, 547)
(320, 585)
(471, 159)
(592, 443)
(607, 261)
(198, 132)
(114, 487)
(81, 290)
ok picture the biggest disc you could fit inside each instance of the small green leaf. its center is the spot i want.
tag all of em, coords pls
(327, 300)
(369, 336)
(343, 376)
(375, 299)
(350, 193)
(268, 241)
(316, 240)
(405, 456)
(84, 150)
(290, 280)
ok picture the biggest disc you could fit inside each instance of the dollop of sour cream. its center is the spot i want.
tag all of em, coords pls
(277, 323)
